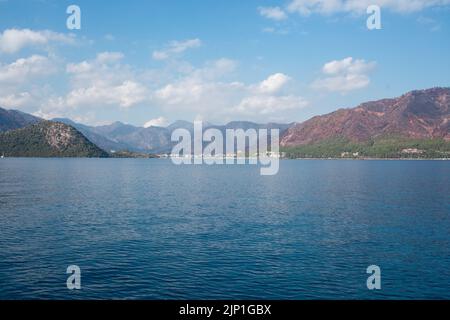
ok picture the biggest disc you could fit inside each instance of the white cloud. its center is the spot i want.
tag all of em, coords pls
(345, 75)
(24, 69)
(96, 85)
(273, 83)
(13, 40)
(273, 13)
(87, 118)
(347, 65)
(266, 99)
(279, 31)
(109, 57)
(158, 122)
(79, 68)
(204, 93)
(196, 94)
(101, 82)
(16, 100)
(201, 88)
(327, 7)
(48, 115)
(124, 94)
(267, 105)
(175, 48)
(103, 60)
(215, 69)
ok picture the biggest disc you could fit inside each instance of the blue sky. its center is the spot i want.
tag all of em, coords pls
(153, 62)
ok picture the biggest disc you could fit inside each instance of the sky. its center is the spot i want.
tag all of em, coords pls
(156, 61)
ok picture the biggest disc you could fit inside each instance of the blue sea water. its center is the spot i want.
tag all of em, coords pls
(147, 229)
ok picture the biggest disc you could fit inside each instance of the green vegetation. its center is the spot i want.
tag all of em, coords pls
(48, 139)
(389, 147)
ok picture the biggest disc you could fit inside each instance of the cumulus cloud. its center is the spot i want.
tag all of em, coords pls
(109, 57)
(197, 95)
(345, 75)
(124, 94)
(24, 82)
(269, 105)
(102, 81)
(13, 40)
(199, 89)
(175, 48)
(204, 92)
(158, 122)
(49, 115)
(266, 98)
(273, 83)
(327, 7)
(24, 69)
(273, 13)
(16, 100)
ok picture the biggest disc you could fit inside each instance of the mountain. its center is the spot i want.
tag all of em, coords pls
(152, 140)
(233, 125)
(421, 114)
(48, 139)
(12, 119)
(246, 125)
(115, 129)
(181, 124)
(136, 139)
(119, 136)
(98, 139)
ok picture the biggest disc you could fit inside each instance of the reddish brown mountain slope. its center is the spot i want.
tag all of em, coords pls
(419, 114)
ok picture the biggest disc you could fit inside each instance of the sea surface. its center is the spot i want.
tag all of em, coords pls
(148, 229)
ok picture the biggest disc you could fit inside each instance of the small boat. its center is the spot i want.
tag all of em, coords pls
(2, 156)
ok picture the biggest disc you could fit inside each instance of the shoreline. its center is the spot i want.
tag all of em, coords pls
(287, 159)
(375, 159)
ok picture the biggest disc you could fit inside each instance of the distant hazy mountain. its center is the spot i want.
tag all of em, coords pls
(12, 119)
(421, 114)
(246, 125)
(136, 139)
(181, 124)
(119, 136)
(47, 139)
(98, 139)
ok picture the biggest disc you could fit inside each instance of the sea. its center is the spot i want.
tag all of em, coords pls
(149, 229)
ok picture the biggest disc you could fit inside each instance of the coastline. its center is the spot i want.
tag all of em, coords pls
(287, 159)
(366, 158)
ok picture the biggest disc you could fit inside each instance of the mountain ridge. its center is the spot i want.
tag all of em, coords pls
(119, 136)
(14, 119)
(418, 114)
